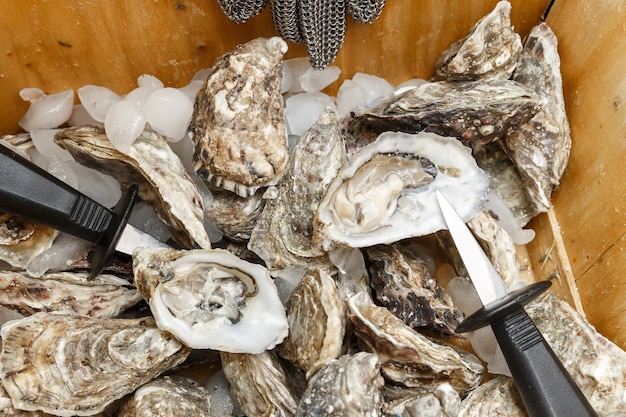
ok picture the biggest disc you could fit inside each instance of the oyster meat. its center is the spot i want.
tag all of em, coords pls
(22, 240)
(211, 299)
(238, 123)
(71, 365)
(386, 192)
(154, 167)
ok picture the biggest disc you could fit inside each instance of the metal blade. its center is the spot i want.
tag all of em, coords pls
(486, 280)
(133, 238)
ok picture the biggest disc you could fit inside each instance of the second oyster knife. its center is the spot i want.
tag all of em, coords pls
(30, 192)
(546, 388)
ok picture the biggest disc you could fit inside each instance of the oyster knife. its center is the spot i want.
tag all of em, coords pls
(30, 192)
(545, 386)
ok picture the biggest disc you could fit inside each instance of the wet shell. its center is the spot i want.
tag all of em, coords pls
(283, 234)
(22, 240)
(345, 387)
(72, 292)
(235, 216)
(238, 123)
(441, 401)
(490, 49)
(481, 110)
(386, 192)
(155, 168)
(168, 396)
(211, 299)
(497, 397)
(71, 365)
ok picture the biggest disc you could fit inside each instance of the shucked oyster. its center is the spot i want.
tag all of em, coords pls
(211, 299)
(155, 168)
(70, 365)
(22, 240)
(386, 192)
(238, 123)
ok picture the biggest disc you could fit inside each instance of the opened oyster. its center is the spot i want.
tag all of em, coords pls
(386, 192)
(22, 240)
(211, 299)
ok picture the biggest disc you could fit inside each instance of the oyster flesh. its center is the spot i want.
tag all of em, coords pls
(211, 299)
(238, 123)
(71, 365)
(22, 240)
(155, 168)
(386, 192)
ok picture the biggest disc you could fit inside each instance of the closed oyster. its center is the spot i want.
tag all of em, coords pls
(540, 148)
(258, 384)
(211, 299)
(349, 386)
(70, 365)
(104, 296)
(317, 322)
(283, 234)
(409, 358)
(490, 49)
(235, 216)
(22, 240)
(481, 110)
(497, 397)
(440, 401)
(155, 168)
(238, 123)
(168, 396)
(386, 192)
(7, 410)
(402, 283)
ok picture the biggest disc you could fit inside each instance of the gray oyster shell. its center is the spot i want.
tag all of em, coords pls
(238, 123)
(22, 240)
(440, 401)
(496, 397)
(168, 396)
(155, 168)
(235, 216)
(349, 386)
(105, 296)
(70, 365)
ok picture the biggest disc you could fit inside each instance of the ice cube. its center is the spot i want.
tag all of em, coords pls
(97, 100)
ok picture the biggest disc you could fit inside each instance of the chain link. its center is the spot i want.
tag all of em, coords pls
(239, 11)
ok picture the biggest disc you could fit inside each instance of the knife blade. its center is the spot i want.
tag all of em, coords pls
(31, 192)
(545, 386)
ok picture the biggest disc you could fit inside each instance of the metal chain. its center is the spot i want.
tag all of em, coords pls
(286, 19)
(365, 11)
(323, 28)
(239, 11)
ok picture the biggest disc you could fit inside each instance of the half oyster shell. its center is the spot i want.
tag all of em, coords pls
(211, 299)
(22, 240)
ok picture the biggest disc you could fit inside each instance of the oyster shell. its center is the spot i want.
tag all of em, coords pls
(283, 234)
(235, 216)
(70, 365)
(211, 299)
(481, 110)
(497, 397)
(155, 168)
(349, 386)
(238, 123)
(403, 284)
(540, 148)
(441, 401)
(258, 384)
(317, 322)
(104, 296)
(7, 410)
(409, 358)
(168, 396)
(490, 49)
(22, 240)
(386, 192)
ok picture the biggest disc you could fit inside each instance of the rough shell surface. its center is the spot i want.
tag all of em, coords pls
(22, 240)
(168, 396)
(283, 234)
(238, 124)
(7, 410)
(105, 296)
(349, 386)
(481, 110)
(71, 365)
(211, 299)
(497, 397)
(154, 167)
(440, 401)
(490, 49)
(235, 216)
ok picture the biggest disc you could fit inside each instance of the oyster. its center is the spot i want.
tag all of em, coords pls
(168, 396)
(386, 192)
(317, 322)
(70, 365)
(349, 386)
(404, 285)
(259, 384)
(155, 168)
(481, 110)
(235, 216)
(211, 299)
(22, 240)
(497, 397)
(409, 358)
(540, 148)
(490, 49)
(104, 296)
(238, 123)
(7, 410)
(283, 234)
(441, 401)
